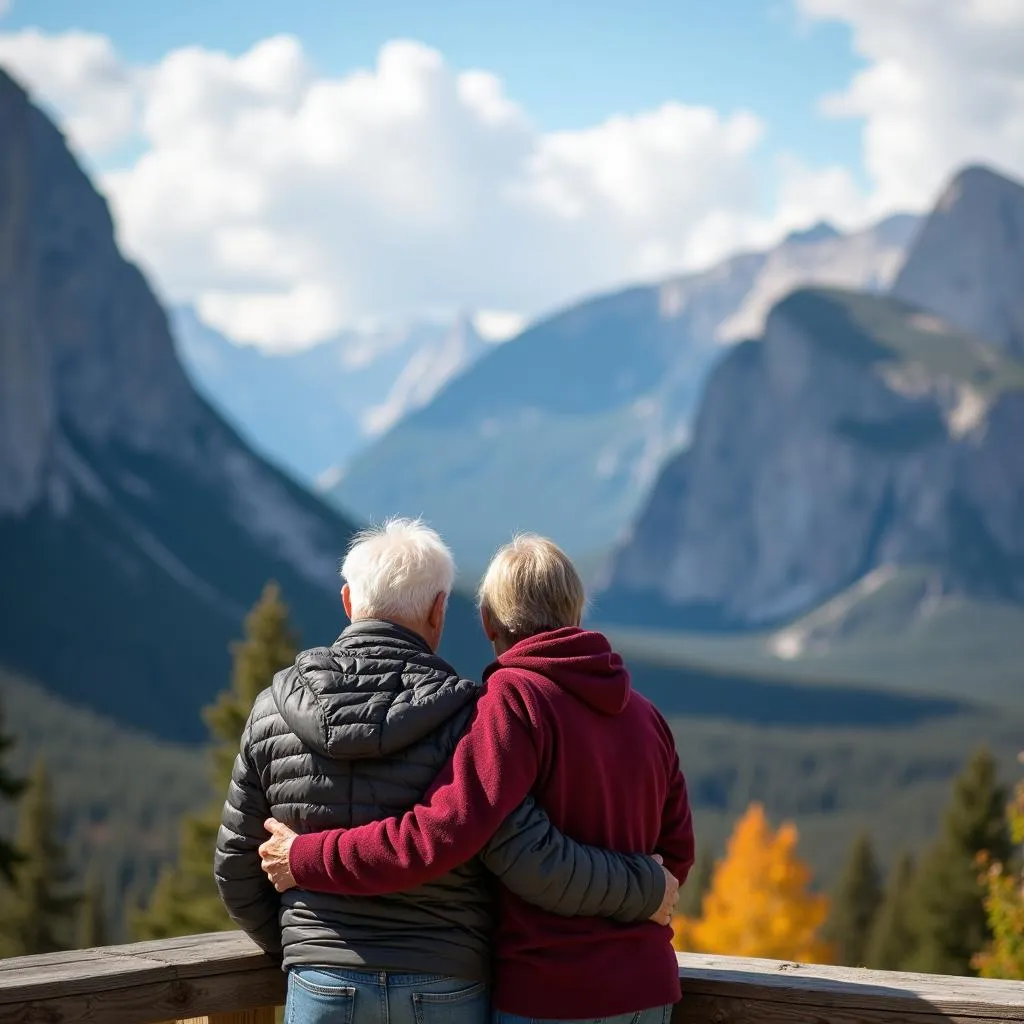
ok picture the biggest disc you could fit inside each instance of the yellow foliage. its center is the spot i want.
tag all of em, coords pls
(759, 903)
(1004, 904)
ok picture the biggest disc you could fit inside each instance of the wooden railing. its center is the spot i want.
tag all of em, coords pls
(223, 979)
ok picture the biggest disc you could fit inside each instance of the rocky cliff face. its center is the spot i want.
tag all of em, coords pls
(967, 262)
(860, 432)
(88, 363)
(135, 526)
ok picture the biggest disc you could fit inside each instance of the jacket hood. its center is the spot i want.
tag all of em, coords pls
(578, 660)
(377, 690)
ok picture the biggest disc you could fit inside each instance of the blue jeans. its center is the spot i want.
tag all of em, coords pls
(657, 1015)
(337, 995)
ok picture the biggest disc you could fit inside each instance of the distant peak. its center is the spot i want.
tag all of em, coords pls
(978, 174)
(820, 232)
(977, 179)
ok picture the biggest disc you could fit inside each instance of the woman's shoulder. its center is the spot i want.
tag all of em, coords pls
(522, 691)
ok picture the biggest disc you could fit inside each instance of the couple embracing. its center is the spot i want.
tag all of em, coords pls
(445, 851)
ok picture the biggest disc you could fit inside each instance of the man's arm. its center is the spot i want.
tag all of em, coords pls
(251, 901)
(493, 769)
(545, 867)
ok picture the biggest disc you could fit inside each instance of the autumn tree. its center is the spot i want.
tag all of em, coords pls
(1004, 903)
(36, 913)
(10, 789)
(947, 909)
(760, 903)
(892, 942)
(185, 899)
(855, 903)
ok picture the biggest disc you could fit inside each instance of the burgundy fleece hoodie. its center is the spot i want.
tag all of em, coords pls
(556, 718)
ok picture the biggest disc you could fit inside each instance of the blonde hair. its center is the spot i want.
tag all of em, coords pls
(397, 569)
(530, 587)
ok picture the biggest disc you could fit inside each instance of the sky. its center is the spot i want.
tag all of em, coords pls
(294, 169)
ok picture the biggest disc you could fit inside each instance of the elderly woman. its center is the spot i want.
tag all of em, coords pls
(557, 719)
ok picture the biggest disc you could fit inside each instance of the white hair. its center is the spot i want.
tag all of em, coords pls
(396, 570)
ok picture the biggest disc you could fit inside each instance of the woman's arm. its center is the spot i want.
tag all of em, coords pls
(493, 769)
(676, 842)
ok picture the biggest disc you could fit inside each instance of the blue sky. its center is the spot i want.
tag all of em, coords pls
(293, 168)
(570, 63)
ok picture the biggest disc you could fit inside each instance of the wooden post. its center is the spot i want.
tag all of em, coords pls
(261, 1015)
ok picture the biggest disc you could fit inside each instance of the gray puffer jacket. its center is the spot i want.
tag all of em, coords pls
(357, 732)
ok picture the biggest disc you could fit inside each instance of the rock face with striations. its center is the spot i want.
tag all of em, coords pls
(967, 263)
(135, 526)
(860, 432)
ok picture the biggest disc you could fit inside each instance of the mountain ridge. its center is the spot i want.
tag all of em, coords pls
(312, 410)
(564, 428)
(861, 431)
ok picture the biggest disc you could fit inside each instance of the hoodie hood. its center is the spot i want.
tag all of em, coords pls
(578, 660)
(376, 691)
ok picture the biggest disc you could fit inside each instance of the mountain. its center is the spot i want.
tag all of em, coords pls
(312, 410)
(564, 428)
(968, 263)
(136, 527)
(861, 433)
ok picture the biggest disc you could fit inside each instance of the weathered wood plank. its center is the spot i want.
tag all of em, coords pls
(873, 994)
(164, 980)
(159, 1001)
(113, 967)
(701, 1009)
(225, 973)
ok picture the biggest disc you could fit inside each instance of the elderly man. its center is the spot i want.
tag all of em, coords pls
(560, 720)
(355, 733)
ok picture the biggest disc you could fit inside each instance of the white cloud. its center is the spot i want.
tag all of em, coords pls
(944, 86)
(80, 76)
(286, 204)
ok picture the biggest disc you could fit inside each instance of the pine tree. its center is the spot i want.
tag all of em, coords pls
(10, 789)
(1004, 903)
(891, 943)
(92, 915)
(36, 915)
(759, 903)
(947, 909)
(855, 903)
(269, 645)
(691, 901)
(185, 900)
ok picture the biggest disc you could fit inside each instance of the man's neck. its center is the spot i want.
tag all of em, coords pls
(413, 627)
